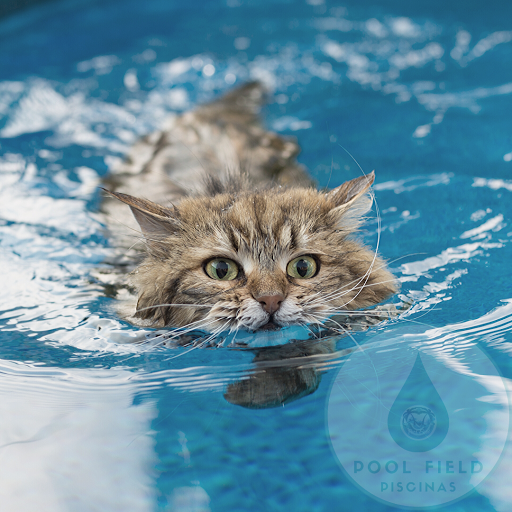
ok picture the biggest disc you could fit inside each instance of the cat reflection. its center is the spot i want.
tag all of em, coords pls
(288, 372)
(282, 374)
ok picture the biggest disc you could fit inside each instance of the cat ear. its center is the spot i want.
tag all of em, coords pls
(352, 200)
(152, 218)
(348, 193)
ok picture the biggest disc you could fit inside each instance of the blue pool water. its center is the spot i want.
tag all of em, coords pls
(419, 91)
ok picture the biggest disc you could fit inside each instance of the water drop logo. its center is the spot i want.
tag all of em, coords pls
(415, 425)
(418, 420)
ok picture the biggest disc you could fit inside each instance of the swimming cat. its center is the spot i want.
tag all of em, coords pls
(255, 249)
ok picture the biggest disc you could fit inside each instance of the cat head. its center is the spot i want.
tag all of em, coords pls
(236, 258)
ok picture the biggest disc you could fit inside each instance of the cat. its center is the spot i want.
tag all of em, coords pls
(236, 236)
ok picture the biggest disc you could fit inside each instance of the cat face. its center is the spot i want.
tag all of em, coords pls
(242, 259)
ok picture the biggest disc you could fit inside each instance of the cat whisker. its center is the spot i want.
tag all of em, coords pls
(315, 318)
(355, 312)
(141, 237)
(341, 295)
(406, 256)
(330, 319)
(427, 311)
(175, 305)
(183, 353)
(360, 277)
(342, 291)
(310, 330)
(324, 297)
(235, 335)
(137, 354)
(215, 333)
(134, 244)
(193, 326)
(416, 321)
(333, 296)
(199, 345)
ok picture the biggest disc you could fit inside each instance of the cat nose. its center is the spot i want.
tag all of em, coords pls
(271, 303)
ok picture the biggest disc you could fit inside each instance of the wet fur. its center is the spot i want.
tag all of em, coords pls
(261, 225)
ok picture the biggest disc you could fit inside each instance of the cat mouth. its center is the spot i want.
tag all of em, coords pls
(269, 326)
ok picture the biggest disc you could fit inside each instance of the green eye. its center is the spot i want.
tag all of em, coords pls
(302, 267)
(222, 269)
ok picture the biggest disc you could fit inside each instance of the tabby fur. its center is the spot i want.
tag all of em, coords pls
(261, 223)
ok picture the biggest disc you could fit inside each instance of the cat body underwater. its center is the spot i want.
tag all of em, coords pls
(227, 249)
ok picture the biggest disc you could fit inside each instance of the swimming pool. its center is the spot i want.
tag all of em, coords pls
(419, 92)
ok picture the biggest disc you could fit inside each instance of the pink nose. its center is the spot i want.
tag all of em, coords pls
(271, 303)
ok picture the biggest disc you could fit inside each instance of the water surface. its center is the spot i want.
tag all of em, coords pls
(419, 92)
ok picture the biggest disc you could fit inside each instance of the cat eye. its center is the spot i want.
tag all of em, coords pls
(222, 269)
(302, 267)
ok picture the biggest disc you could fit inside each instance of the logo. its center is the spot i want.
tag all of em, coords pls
(418, 420)
(416, 424)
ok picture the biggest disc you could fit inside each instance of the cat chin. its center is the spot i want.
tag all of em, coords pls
(269, 326)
